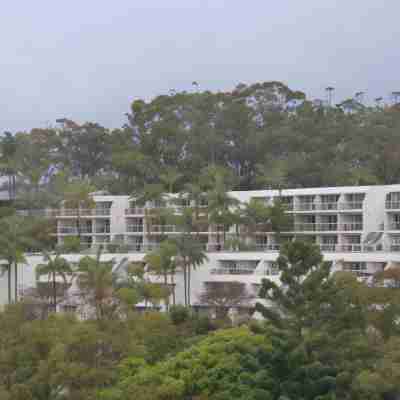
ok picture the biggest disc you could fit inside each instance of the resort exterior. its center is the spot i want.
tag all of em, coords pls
(356, 228)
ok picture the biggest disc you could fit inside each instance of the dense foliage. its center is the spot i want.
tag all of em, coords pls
(264, 135)
(324, 337)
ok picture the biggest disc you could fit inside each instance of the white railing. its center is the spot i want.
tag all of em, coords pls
(393, 205)
(134, 211)
(134, 228)
(394, 226)
(351, 226)
(305, 227)
(232, 271)
(320, 206)
(70, 230)
(73, 212)
(165, 229)
(327, 206)
(351, 205)
(102, 229)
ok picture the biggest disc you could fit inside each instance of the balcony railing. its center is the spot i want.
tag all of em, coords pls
(393, 205)
(165, 229)
(134, 228)
(102, 229)
(394, 226)
(71, 230)
(134, 211)
(327, 206)
(73, 212)
(306, 227)
(351, 205)
(351, 226)
(233, 271)
(305, 206)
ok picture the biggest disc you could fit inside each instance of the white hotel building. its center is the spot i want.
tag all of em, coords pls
(357, 229)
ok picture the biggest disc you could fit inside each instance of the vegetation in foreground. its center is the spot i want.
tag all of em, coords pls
(325, 337)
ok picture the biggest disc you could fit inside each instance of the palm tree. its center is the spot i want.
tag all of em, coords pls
(195, 194)
(77, 196)
(53, 268)
(8, 162)
(170, 177)
(151, 192)
(254, 213)
(96, 280)
(15, 239)
(162, 262)
(220, 205)
(190, 255)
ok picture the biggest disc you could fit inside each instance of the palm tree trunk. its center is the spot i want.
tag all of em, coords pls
(189, 279)
(16, 282)
(173, 289)
(9, 284)
(54, 292)
(166, 285)
(185, 282)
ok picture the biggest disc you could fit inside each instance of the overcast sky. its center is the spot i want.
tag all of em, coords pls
(87, 60)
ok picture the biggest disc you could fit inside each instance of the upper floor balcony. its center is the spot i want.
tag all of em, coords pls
(74, 212)
(134, 211)
(315, 227)
(165, 229)
(327, 206)
(73, 230)
(350, 205)
(394, 226)
(134, 228)
(393, 205)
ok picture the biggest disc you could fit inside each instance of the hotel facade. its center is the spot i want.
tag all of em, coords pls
(356, 228)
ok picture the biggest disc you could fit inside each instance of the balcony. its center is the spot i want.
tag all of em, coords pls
(312, 227)
(73, 212)
(165, 229)
(102, 229)
(393, 205)
(134, 228)
(327, 206)
(328, 247)
(72, 230)
(140, 248)
(232, 271)
(134, 211)
(394, 226)
(305, 206)
(351, 226)
(351, 205)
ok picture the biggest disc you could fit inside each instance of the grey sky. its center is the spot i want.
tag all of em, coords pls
(87, 59)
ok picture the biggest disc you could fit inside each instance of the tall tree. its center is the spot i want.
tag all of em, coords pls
(190, 256)
(15, 240)
(55, 267)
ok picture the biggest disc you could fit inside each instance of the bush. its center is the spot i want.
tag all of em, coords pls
(179, 314)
